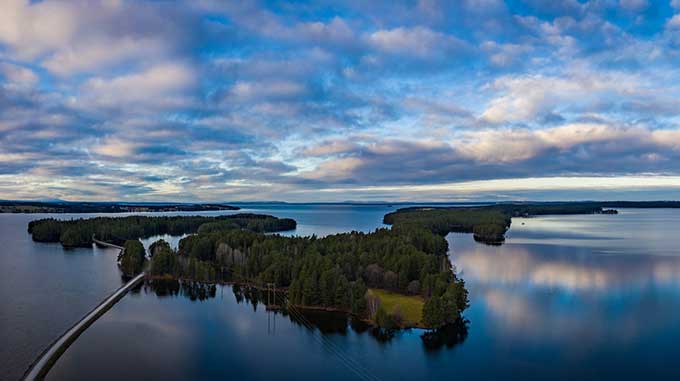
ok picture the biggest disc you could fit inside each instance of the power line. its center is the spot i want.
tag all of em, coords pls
(353, 365)
(349, 362)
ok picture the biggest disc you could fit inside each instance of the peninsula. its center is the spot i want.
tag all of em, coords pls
(489, 223)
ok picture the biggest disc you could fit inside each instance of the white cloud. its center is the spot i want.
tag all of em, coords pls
(505, 54)
(155, 86)
(330, 147)
(336, 169)
(115, 147)
(94, 55)
(500, 145)
(249, 90)
(335, 32)
(668, 138)
(634, 5)
(17, 75)
(674, 22)
(75, 36)
(523, 98)
(511, 145)
(552, 183)
(34, 28)
(417, 41)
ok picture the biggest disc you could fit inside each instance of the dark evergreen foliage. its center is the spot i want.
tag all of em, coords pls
(131, 258)
(79, 232)
(487, 223)
(332, 272)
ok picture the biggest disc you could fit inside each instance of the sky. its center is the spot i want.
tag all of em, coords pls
(332, 101)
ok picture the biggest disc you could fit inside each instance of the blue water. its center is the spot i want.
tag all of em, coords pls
(44, 288)
(567, 297)
(575, 297)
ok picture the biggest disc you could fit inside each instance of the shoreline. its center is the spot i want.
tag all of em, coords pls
(277, 307)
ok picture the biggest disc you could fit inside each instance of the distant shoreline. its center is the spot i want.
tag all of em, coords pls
(104, 207)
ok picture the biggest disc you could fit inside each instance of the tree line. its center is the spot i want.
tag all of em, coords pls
(79, 232)
(488, 223)
(104, 207)
(333, 272)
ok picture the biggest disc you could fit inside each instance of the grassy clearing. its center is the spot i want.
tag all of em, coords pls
(411, 306)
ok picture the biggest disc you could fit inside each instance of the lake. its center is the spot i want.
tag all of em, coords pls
(566, 297)
(44, 288)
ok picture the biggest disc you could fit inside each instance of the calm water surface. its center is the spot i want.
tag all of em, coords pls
(44, 289)
(589, 297)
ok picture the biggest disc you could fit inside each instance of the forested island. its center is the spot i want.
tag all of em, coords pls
(80, 232)
(393, 277)
(489, 223)
(358, 273)
(104, 207)
(398, 277)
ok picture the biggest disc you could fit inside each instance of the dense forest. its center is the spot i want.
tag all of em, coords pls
(489, 223)
(131, 259)
(79, 232)
(332, 273)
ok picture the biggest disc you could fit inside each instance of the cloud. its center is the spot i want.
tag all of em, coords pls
(245, 90)
(89, 36)
(503, 55)
(511, 145)
(17, 75)
(330, 147)
(115, 147)
(419, 42)
(154, 86)
(524, 98)
(33, 28)
(337, 32)
(674, 22)
(97, 54)
(634, 5)
(245, 100)
(592, 149)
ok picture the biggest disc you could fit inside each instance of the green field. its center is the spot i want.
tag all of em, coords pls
(411, 306)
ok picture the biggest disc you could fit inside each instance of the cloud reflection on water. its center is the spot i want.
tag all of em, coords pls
(570, 288)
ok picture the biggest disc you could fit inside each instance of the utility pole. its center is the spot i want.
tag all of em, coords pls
(271, 295)
(271, 290)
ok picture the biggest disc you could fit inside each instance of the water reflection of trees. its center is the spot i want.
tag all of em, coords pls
(327, 322)
(171, 287)
(333, 322)
(448, 336)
